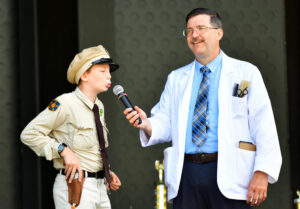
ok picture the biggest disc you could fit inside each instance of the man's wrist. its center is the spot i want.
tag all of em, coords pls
(261, 172)
(148, 128)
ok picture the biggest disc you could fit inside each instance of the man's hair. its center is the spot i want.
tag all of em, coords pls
(215, 19)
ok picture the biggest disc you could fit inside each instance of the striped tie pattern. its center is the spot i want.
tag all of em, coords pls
(200, 117)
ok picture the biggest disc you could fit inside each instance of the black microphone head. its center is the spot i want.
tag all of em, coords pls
(118, 89)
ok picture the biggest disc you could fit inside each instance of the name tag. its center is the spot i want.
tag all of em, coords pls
(247, 146)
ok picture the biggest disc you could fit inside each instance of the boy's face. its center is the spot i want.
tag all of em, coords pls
(98, 78)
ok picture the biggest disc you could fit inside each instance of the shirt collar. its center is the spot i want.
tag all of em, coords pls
(213, 65)
(85, 99)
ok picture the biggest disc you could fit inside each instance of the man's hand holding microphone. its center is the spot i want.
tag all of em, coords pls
(135, 115)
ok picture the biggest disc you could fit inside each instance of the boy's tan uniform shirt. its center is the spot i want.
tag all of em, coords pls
(70, 121)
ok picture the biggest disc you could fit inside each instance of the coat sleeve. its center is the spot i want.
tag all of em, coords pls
(160, 118)
(36, 134)
(263, 129)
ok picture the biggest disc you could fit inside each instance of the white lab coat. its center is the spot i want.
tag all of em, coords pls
(240, 119)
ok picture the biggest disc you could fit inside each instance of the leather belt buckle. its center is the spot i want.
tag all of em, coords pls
(202, 159)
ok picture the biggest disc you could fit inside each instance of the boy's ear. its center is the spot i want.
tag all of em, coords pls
(84, 76)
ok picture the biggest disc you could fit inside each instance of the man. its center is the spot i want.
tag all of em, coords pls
(217, 113)
(72, 132)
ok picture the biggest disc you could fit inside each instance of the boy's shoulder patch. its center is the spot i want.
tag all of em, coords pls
(54, 105)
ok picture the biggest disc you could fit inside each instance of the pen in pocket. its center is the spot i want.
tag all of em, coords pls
(235, 89)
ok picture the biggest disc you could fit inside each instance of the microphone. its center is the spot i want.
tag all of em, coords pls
(119, 92)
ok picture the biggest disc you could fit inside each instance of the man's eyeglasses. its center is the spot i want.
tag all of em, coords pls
(200, 29)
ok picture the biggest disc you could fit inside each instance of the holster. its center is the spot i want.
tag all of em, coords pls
(75, 190)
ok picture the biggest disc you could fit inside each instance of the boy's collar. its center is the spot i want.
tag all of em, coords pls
(85, 99)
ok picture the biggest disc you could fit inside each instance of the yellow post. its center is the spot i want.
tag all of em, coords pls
(297, 201)
(161, 190)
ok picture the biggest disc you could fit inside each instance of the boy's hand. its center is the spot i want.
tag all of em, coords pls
(72, 164)
(115, 182)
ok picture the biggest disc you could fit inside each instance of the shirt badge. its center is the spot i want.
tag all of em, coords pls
(101, 112)
(54, 105)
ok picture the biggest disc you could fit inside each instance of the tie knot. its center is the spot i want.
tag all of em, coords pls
(95, 108)
(205, 70)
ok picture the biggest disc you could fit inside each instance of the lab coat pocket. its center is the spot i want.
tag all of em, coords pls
(168, 158)
(239, 106)
(244, 167)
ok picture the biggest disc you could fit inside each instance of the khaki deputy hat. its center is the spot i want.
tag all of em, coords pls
(87, 58)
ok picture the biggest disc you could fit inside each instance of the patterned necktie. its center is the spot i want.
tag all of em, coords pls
(200, 118)
(102, 144)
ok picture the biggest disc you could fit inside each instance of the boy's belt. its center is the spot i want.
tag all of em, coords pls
(201, 157)
(87, 174)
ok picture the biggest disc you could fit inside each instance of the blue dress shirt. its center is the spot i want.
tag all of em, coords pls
(211, 143)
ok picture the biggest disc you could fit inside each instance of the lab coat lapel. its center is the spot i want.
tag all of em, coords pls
(225, 98)
(186, 87)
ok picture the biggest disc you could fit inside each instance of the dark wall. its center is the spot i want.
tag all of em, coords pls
(28, 103)
(48, 42)
(57, 44)
(9, 115)
(57, 36)
(293, 70)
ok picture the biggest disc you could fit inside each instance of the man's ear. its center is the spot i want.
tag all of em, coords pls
(220, 33)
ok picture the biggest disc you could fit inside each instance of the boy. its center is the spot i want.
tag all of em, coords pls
(70, 133)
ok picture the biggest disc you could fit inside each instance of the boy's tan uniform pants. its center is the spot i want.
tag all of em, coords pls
(94, 194)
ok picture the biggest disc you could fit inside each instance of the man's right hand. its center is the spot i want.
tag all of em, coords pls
(134, 115)
(72, 164)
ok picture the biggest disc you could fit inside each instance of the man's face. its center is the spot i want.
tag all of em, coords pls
(98, 78)
(205, 43)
